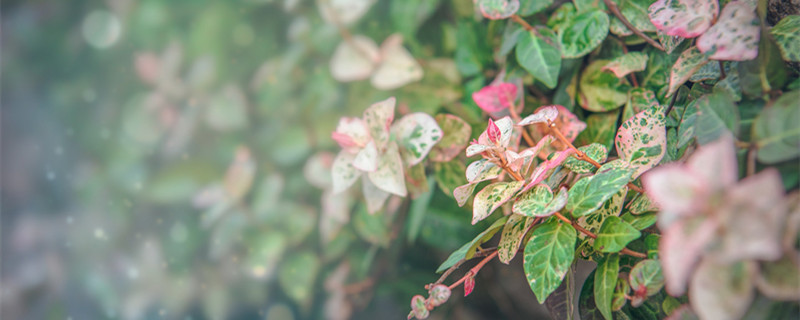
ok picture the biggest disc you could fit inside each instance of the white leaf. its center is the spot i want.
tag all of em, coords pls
(354, 60)
(397, 67)
(343, 172)
(343, 11)
(378, 117)
(389, 176)
(545, 114)
(417, 133)
(374, 196)
(367, 158)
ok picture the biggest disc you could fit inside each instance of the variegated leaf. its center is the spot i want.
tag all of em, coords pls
(685, 18)
(373, 196)
(542, 115)
(389, 176)
(456, 136)
(628, 63)
(642, 140)
(492, 197)
(687, 64)
(681, 246)
(787, 37)
(548, 255)
(498, 9)
(533, 202)
(601, 91)
(378, 118)
(595, 151)
(462, 193)
(367, 158)
(735, 35)
(614, 235)
(417, 133)
(482, 170)
(342, 171)
(639, 99)
(351, 134)
(589, 193)
(511, 237)
(722, 291)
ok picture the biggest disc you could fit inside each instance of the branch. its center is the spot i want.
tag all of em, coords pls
(516, 117)
(615, 10)
(472, 272)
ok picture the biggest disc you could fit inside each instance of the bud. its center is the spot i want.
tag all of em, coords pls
(418, 307)
(469, 284)
(493, 132)
(439, 295)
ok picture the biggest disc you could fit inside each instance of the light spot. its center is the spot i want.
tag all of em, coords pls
(99, 233)
(101, 29)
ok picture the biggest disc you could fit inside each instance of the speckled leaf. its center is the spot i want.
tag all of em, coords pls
(482, 170)
(449, 175)
(389, 176)
(690, 61)
(342, 171)
(709, 71)
(596, 151)
(548, 255)
(589, 193)
(583, 33)
(498, 9)
(511, 237)
(540, 57)
(354, 60)
(462, 193)
(601, 91)
(642, 140)
(529, 7)
(627, 63)
(775, 130)
(640, 221)
(417, 133)
(614, 235)
(670, 43)
(605, 281)
(647, 273)
(722, 291)
(567, 122)
(532, 203)
(636, 13)
(495, 97)
(612, 207)
(542, 115)
(734, 36)
(787, 36)
(492, 197)
(351, 134)
(378, 117)
(397, 67)
(642, 204)
(685, 18)
(639, 99)
(456, 136)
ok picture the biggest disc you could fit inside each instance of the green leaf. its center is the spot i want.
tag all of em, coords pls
(642, 204)
(647, 273)
(532, 203)
(510, 37)
(787, 36)
(601, 91)
(776, 131)
(297, 276)
(628, 63)
(640, 221)
(498, 9)
(596, 151)
(371, 227)
(548, 255)
(408, 16)
(589, 193)
(449, 175)
(600, 128)
(418, 211)
(529, 7)
(717, 114)
(614, 235)
(688, 63)
(467, 251)
(510, 238)
(584, 32)
(636, 13)
(605, 281)
(492, 197)
(686, 128)
(539, 56)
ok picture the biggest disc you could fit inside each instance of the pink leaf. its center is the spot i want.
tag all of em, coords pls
(498, 9)
(642, 140)
(680, 248)
(715, 163)
(685, 18)
(735, 35)
(505, 126)
(493, 132)
(542, 115)
(469, 285)
(351, 134)
(540, 173)
(678, 192)
(493, 98)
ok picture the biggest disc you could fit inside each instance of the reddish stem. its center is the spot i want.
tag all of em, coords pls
(472, 272)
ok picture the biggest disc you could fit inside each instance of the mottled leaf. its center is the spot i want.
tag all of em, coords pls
(367, 158)
(548, 255)
(628, 63)
(449, 175)
(595, 151)
(583, 33)
(734, 36)
(456, 136)
(605, 281)
(510, 238)
(775, 130)
(378, 118)
(636, 13)
(492, 197)
(540, 57)
(639, 99)
(532, 203)
(542, 115)
(566, 122)
(690, 61)
(614, 235)
(642, 140)
(498, 9)
(600, 128)
(417, 133)
(787, 36)
(601, 91)
(351, 134)
(685, 18)
(589, 193)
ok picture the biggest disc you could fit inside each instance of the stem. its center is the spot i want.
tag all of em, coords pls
(751, 160)
(516, 117)
(721, 71)
(582, 156)
(529, 28)
(472, 272)
(615, 10)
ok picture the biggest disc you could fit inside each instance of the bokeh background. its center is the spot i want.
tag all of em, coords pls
(167, 160)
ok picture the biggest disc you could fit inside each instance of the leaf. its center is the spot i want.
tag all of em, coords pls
(636, 13)
(371, 227)
(462, 193)
(389, 176)
(456, 133)
(640, 221)
(687, 64)
(542, 115)
(614, 235)
(498, 9)
(548, 255)
(540, 57)
(297, 276)
(351, 134)
(717, 115)
(408, 16)
(775, 130)
(482, 170)
(626, 64)
(485, 236)
(397, 67)
(681, 247)
(589, 193)
(642, 204)
(639, 99)
(605, 281)
(601, 91)
(611, 207)
(721, 291)
(583, 33)
(595, 151)
(532, 203)
(343, 11)
(734, 36)
(685, 18)
(709, 71)
(642, 140)
(343, 174)
(529, 7)
(620, 297)
(492, 197)
(567, 122)
(367, 158)
(778, 279)
(354, 60)
(454, 257)
(510, 238)
(561, 303)
(373, 196)
(417, 133)
(378, 118)
(496, 97)
(449, 175)
(647, 273)
(787, 36)
(600, 128)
